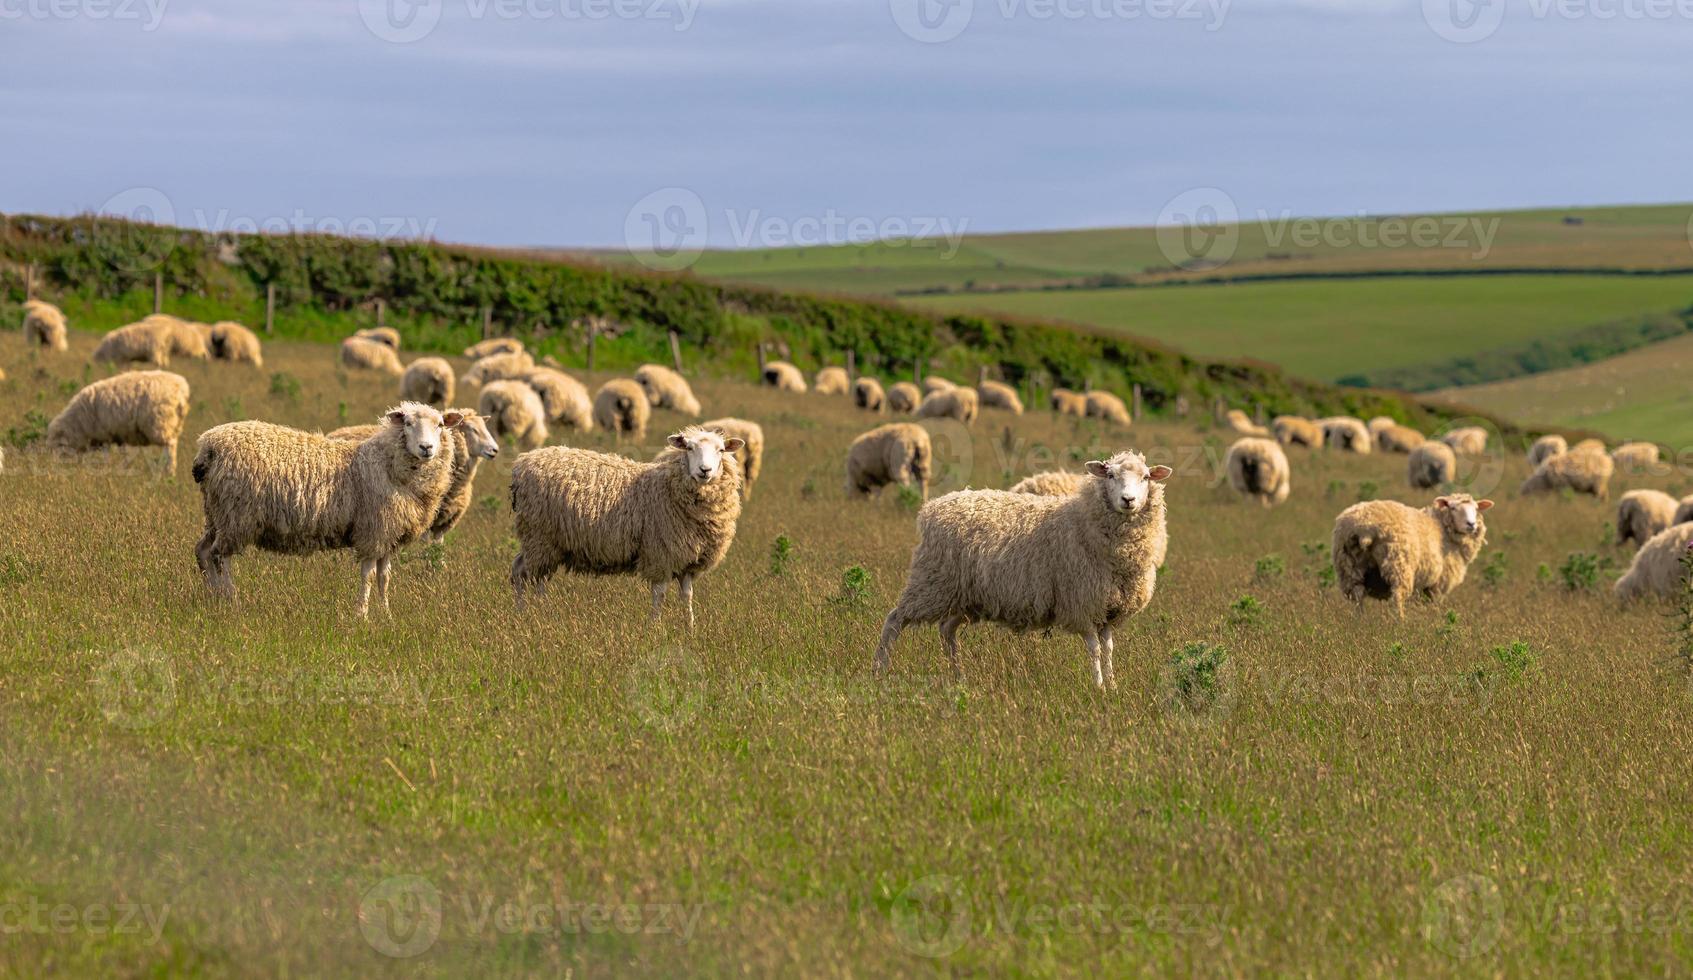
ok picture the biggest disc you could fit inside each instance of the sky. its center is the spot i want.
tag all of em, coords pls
(739, 123)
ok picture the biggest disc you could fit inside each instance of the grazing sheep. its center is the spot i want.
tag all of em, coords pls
(1643, 513)
(230, 341)
(492, 346)
(867, 394)
(499, 367)
(141, 408)
(751, 453)
(1258, 468)
(1471, 440)
(296, 493)
(997, 394)
(428, 380)
(935, 383)
(952, 403)
(142, 341)
(588, 512)
(1589, 445)
(1545, 448)
(1080, 563)
(831, 381)
(1384, 549)
(1683, 510)
(386, 336)
(514, 409)
(472, 443)
(1635, 456)
(565, 399)
(1067, 402)
(1379, 423)
(1398, 438)
(1347, 434)
(44, 325)
(1656, 568)
(904, 397)
(368, 355)
(1431, 464)
(1105, 405)
(784, 377)
(185, 338)
(667, 389)
(1052, 483)
(1240, 422)
(1293, 430)
(1582, 470)
(899, 452)
(621, 406)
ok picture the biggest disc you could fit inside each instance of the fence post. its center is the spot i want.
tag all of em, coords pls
(981, 375)
(676, 351)
(1136, 416)
(917, 373)
(852, 366)
(1087, 385)
(270, 306)
(29, 282)
(158, 292)
(1217, 409)
(487, 321)
(1258, 413)
(761, 360)
(381, 313)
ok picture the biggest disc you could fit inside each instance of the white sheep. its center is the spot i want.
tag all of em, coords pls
(386, 336)
(934, 383)
(1471, 440)
(1545, 448)
(1383, 549)
(1657, 567)
(514, 409)
(143, 341)
(621, 406)
(1258, 468)
(499, 367)
(1635, 456)
(44, 325)
(141, 408)
(997, 394)
(492, 346)
(1051, 483)
(1683, 510)
(953, 403)
(1642, 514)
(1430, 465)
(1581, 470)
(1295, 430)
(667, 389)
(899, 452)
(565, 399)
(1347, 434)
(1067, 402)
(904, 397)
(867, 394)
(751, 454)
(472, 442)
(361, 354)
(1397, 438)
(1105, 405)
(1242, 423)
(783, 377)
(831, 381)
(230, 341)
(428, 380)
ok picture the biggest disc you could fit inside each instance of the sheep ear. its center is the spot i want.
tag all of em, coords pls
(451, 420)
(678, 442)
(734, 445)
(396, 418)
(1160, 473)
(1098, 469)
(1443, 502)
(1483, 504)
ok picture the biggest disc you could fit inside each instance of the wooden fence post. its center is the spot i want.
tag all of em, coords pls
(158, 292)
(381, 313)
(1087, 386)
(270, 306)
(1136, 416)
(29, 282)
(917, 373)
(761, 360)
(487, 322)
(852, 366)
(1258, 413)
(676, 351)
(981, 375)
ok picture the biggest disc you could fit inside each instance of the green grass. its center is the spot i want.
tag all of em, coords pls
(1307, 789)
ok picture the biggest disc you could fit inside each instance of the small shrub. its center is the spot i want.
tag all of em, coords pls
(232, 409)
(1543, 573)
(1325, 577)
(910, 497)
(1580, 571)
(855, 587)
(33, 428)
(1448, 627)
(1607, 534)
(489, 503)
(1335, 488)
(1396, 651)
(1269, 567)
(1493, 570)
(1245, 611)
(808, 489)
(1367, 490)
(1195, 677)
(781, 552)
(1508, 664)
(285, 386)
(341, 412)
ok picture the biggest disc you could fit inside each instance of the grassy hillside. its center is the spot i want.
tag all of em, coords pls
(1481, 788)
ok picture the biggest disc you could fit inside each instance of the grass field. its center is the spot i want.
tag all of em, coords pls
(274, 787)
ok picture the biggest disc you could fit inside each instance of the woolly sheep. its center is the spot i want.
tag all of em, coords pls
(185, 338)
(1643, 513)
(386, 336)
(1683, 510)
(1546, 447)
(230, 341)
(867, 394)
(368, 355)
(1589, 445)
(997, 394)
(621, 406)
(1430, 465)
(899, 452)
(1656, 568)
(1398, 438)
(1582, 470)
(1379, 423)
(1384, 549)
(1635, 456)
(492, 346)
(830, 381)
(514, 409)
(141, 408)
(667, 389)
(1105, 405)
(904, 397)
(1293, 430)
(1240, 422)
(1347, 434)
(428, 380)
(472, 442)
(1471, 440)
(751, 454)
(499, 367)
(1080, 563)
(1052, 483)
(296, 493)
(588, 512)
(952, 403)
(1258, 468)
(141, 341)
(44, 325)
(1067, 402)
(783, 377)
(934, 383)
(565, 399)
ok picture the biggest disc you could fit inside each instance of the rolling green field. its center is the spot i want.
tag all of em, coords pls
(1492, 786)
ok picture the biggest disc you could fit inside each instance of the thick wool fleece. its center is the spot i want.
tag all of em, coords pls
(783, 376)
(429, 381)
(952, 403)
(1397, 438)
(997, 394)
(360, 354)
(667, 389)
(1656, 569)
(1384, 549)
(144, 342)
(565, 399)
(1258, 469)
(141, 408)
(1635, 456)
(934, 383)
(1545, 448)
(867, 394)
(1067, 402)
(1294, 430)
(1582, 470)
(513, 409)
(621, 406)
(899, 452)
(1052, 483)
(472, 442)
(500, 367)
(230, 341)
(1471, 440)
(1430, 465)
(386, 336)
(1242, 423)
(904, 397)
(44, 325)
(831, 381)
(1105, 405)
(1347, 434)
(751, 453)
(492, 346)
(1642, 514)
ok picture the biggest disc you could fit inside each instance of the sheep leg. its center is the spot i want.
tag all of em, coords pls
(686, 590)
(658, 601)
(170, 459)
(890, 635)
(949, 638)
(1090, 639)
(367, 571)
(382, 567)
(1106, 644)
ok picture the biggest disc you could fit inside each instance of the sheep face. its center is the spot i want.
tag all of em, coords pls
(422, 426)
(1127, 481)
(704, 451)
(477, 439)
(1460, 514)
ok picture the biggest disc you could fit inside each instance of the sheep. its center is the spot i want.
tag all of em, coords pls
(1347, 434)
(1471, 440)
(867, 394)
(1546, 447)
(1643, 513)
(184, 337)
(621, 406)
(141, 408)
(1258, 468)
(1384, 549)
(904, 397)
(1657, 567)
(597, 514)
(1683, 510)
(783, 377)
(514, 409)
(565, 399)
(1105, 405)
(1293, 430)
(1635, 456)
(386, 336)
(667, 389)
(1589, 445)
(899, 452)
(1081, 563)
(1430, 465)
(997, 394)
(499, 367)
(44, 325)
(368, 355)
(1379, 423)
(230, 341)
(142, 341)
(1067, 402)
(428, 380)
(952, 403)
(1052, 483)
(1397, 438)
(296, 493)
(1581, 470)
(831, 381)
(751, 454)
(1240, 422)
(492, 346)
(935, 383)
(472, 442)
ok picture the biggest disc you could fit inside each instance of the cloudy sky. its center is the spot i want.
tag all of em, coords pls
(562, 122)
